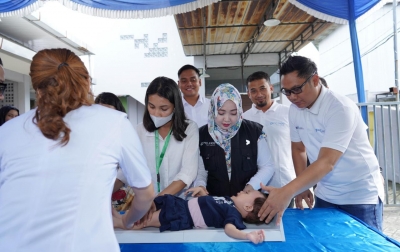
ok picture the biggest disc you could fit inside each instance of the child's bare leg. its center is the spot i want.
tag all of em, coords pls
(154, 222)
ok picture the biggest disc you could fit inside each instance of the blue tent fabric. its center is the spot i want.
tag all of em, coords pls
(109, 8)
(340, 9)
(320, 229)
(131, 4)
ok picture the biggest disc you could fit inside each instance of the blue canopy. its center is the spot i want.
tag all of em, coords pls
(109, 8)
(337, 11)
(344, 11)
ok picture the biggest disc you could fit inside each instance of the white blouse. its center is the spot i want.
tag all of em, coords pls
(180, 161)
(56, 197)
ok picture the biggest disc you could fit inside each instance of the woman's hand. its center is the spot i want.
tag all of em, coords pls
(248, 188)
(117, 219)
(197, 191)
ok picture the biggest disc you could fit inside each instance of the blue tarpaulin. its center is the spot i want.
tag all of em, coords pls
(320, 229)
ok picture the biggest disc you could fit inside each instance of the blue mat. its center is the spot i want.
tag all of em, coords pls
(322, 229)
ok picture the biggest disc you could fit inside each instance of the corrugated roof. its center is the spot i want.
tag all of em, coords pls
(236, 27)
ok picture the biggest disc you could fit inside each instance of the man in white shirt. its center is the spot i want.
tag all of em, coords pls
(195, 105)
(329, 126)
(275, 119)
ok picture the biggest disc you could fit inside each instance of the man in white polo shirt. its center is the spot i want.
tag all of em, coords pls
(195, 105)
(329, 126)
(275, 119)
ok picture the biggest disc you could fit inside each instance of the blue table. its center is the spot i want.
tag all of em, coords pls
(322, 229)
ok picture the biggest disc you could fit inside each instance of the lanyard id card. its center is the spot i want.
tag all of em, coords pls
(159, 157)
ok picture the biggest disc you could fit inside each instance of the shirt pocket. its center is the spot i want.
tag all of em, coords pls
(210, 160)
(249, 160)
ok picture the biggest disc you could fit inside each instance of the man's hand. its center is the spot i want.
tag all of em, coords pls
(276, 203)
(256, 236)
(308, 198)
(197, 191)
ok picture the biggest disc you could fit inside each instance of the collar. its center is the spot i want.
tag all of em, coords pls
(147, 133)
(255, 110)
(201, 100)
(317, 104)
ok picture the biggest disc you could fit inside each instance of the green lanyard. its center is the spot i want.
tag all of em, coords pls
(159, 157)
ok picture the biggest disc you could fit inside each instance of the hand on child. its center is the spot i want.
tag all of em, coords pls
(256, 236)
(275, 205)
(308, 197)
(147, 217)
(119, 223)
(197, 191)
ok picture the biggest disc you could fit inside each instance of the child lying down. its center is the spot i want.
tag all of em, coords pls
(174, 214)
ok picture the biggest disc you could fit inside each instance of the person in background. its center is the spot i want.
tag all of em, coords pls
(330, 128)
(195, 105)
(275, 119)
(7, 113)
(234, 153)
(62, 158)
(110, 100)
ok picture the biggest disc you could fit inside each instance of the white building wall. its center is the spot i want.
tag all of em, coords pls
(135, 111)
(118, 66)
(21, 90)
(15, 63)
(375, 35)
(16, 71)
(199, 63)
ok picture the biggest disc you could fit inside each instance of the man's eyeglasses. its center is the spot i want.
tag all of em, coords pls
(296, 90)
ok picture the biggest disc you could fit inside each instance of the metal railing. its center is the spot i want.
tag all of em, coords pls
(384, 136)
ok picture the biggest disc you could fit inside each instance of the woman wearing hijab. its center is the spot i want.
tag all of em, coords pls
(234, 152)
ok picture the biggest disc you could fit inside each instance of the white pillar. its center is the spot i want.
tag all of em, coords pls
(22, 85)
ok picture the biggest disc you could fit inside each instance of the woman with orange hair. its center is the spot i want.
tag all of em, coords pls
(61, 160)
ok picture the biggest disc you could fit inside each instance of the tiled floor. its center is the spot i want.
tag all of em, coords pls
(391, 214)
(391, 222)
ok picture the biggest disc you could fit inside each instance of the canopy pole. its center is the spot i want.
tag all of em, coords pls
(357, 61)
(396, 63)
